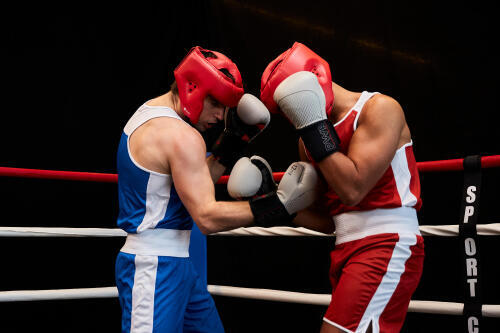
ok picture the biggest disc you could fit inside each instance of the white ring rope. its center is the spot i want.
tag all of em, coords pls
(274, 231)
(57, 294)
(448, 308)
(60, 232)
(492, 229)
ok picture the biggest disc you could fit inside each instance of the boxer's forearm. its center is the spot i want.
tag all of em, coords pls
(314, 220)
(223, 215)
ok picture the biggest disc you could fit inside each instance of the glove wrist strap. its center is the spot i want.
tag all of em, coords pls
(269, 211)
(320, 139)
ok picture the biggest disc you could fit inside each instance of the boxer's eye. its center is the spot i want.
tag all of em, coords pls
(215, 103)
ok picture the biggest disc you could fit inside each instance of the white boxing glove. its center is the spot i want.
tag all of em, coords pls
(250, 177)
(242, 125)
(254, 115)
(302, 100)
(296, 191)
(298, 187)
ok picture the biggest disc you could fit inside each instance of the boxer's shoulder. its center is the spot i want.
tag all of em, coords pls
(381, 108)
(381, 102)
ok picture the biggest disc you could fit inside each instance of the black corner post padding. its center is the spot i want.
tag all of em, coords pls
(469, 246)
(472, 163)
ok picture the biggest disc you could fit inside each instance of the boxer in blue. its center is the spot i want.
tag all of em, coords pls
(161, 145)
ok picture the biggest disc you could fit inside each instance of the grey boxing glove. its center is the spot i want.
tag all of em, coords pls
(296, 191)
(250, 177)
(302, 100)
(242, 125)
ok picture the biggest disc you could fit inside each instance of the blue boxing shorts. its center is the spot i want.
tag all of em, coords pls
(162, 294)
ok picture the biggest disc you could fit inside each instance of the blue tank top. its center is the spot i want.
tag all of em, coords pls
(147, 199)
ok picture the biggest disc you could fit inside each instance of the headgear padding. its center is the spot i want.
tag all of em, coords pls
(198, 76)
(297, 58)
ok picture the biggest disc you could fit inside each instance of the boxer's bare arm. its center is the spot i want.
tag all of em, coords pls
(193, 182)
(314, 219)
(379, 134)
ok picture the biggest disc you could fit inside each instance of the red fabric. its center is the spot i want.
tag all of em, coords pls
(385, 193)
(357, 268)
(390, 320)
(415, 178)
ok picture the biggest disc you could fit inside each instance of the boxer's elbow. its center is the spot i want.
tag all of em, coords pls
(204, 224)
(204, 227)
(350, 200)
(351, 196)
(349, 189)
(204, 218)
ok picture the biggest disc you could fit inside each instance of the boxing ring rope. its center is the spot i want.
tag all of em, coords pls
(492, 161)
(433, 307)
(492, 229)
(447, 308)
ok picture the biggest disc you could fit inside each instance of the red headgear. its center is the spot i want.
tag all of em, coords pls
(298, 58)
(198, 76)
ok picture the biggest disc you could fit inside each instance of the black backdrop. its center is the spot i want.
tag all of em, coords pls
(73, 74)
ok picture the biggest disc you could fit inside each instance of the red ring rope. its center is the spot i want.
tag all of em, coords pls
(53, 174)
(428, 166)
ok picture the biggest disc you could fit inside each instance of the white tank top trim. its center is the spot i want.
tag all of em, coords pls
(143, 114)
(365, 96)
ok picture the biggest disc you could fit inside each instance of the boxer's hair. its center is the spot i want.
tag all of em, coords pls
(174, 89)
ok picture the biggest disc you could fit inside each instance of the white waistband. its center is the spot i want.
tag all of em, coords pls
(159, 242)
(359, 224)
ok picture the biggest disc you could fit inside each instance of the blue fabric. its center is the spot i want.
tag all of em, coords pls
(132, 185)
(198, 253)
(132, 191)
(124, 275)
(176, 216)
(181, 301)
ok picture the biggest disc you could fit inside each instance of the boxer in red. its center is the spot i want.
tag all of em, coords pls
(362, 146)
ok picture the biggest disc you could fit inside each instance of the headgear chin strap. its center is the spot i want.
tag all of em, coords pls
(198, 76)
(297, 58)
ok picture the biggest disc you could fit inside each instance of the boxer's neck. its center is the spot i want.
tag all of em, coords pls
(170, 100)
(343, 101)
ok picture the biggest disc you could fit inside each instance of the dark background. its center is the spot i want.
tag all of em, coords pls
(72, 75)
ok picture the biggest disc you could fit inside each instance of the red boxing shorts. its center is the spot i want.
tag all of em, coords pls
(373, 279)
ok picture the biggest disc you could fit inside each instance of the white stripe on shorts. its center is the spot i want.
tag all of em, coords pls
(143, 294)
(389, 283)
